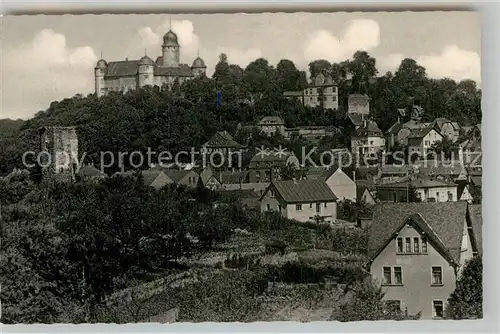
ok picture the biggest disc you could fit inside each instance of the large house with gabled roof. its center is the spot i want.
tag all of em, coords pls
(302, 200)
(417, 251)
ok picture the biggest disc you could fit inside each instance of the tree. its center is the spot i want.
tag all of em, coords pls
(289, 77)
(362, 67)
(319, 66)
(466, 302)
(367, 302)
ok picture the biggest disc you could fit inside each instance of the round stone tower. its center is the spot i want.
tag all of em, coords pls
(100, 71)
(146, 71)
(170, 49)
(199, 68)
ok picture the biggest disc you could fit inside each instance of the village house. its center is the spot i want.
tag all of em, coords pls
(417, 251)
(367, 139)
(302, 200)
(267, 166)
(420, 141)
(321, 92)
(447, 128)
(451, 170)
(225, 144)
(340, 184)
(404, 131)
(466, 192)
(428, 189)
(209, 179)
(271, 125)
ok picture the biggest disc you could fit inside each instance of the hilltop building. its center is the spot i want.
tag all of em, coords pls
(321, 91)
(132, 74)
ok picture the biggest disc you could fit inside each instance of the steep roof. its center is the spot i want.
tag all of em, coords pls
(371, 129)
(90, 171)
(394, 129)
(242, 193)
(222, 139)
(122, 68)
(182, 71)
(420, 132)
(440, 122)
(360, 190)
(442, 222)
(476, 219)
(417, 181)
(233, 177)
(150, 175)
(304, 191)
(443, 168)
(177, 175)
(356, 119)
(129, 68)
(271, 120)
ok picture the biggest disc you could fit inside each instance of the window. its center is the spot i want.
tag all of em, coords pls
(273, 194)
(416, 245)
(400, 245)
(371, 142)
(268, 207)
(437, 196)
(279, 208)
(398, 275)
(437, 276)
(298, 207)
(310, 206)
(387, 275)
(325, 205)
(437, 308)
(408, 245)
(318, 207)
(424, 245)
(450, 196)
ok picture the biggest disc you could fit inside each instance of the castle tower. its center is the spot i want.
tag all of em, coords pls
(145, 72)
(170, 50)
(100, 70)
(199, 68)
(59, 157)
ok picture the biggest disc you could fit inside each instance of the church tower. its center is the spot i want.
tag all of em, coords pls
(170, 50)
(100, 70)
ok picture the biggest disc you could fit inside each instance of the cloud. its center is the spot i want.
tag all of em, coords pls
(362, 34)
(390, 62)
(151, 38)
(454, 63)
(42, 71)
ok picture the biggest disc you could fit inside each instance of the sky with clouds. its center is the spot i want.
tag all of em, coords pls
(48, 58)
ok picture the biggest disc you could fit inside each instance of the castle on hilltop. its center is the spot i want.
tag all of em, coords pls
(132, 74)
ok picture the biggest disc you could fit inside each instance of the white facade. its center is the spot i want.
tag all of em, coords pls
(342, 185)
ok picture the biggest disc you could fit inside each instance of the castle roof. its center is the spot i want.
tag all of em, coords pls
(170, 38)
(146, 61)
(198, 62)
(129, 68)
(101, 63)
